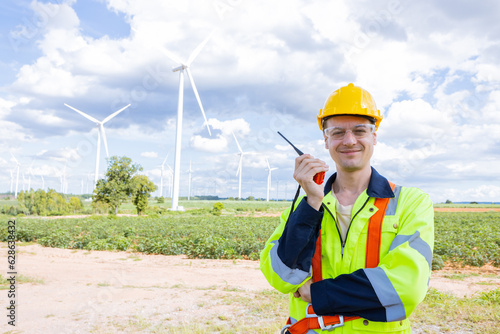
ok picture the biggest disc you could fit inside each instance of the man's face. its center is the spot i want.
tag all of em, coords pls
(353, 151)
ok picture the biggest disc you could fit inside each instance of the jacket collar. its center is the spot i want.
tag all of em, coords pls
(378, 186)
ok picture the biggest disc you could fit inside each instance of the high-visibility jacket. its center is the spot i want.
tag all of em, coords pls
(384, 296)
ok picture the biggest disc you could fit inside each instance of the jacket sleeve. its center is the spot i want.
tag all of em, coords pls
(393, 289)
(286, 258)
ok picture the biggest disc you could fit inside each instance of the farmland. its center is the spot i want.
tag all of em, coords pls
(461, 238)
(105, 257)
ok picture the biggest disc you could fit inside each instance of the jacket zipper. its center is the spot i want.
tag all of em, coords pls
(343, 242)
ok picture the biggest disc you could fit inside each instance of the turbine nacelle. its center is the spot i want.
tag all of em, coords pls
(179, 68)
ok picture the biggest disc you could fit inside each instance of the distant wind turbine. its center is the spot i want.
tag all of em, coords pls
(17, 173)
(240, 165)
(100, 132)
(11, 180)
(183, 66)
(170, 180)
(30, 170)
(162, 171)
(269, 170)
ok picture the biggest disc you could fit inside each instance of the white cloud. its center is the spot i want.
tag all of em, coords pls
(5, 107)
(417, 120)
(152, 155)
(220, 142)
(265, 57)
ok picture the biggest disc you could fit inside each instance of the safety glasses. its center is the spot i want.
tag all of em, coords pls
(359, 131)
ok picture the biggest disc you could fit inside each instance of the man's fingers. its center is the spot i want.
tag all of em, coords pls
(307, 166)
(296, 294)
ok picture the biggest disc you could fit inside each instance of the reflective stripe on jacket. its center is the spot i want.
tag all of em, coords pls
(383, 296)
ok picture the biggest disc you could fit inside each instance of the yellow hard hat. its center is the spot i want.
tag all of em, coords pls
(350, 100)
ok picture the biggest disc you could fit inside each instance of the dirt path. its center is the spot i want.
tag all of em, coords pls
(76, 291)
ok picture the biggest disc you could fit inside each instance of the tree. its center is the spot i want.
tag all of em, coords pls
(142, 189)
(117, 185)
(75, 204)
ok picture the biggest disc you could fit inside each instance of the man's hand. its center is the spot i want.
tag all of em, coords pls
(306, 166)
(304, 292)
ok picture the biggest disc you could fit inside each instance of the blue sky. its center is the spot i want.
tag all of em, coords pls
(430, 65)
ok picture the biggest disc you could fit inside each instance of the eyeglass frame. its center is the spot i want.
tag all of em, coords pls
(371, 126)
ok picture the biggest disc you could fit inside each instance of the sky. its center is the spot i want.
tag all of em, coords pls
(431, 66)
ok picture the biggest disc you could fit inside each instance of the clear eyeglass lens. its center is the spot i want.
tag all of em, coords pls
(359, 131)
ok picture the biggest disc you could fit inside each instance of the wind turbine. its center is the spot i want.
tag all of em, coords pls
(17, 173)
(30, 171)
(183, 66)
(11, 180)
(269, 170)
(100, 132)
(240, 164)
(170, 180)
(162, 170)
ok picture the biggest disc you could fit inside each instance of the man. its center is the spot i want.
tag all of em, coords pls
(355, 254)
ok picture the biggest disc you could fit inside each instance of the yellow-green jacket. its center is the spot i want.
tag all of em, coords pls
(385, 296)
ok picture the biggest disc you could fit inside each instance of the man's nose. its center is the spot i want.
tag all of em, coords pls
(349, 138)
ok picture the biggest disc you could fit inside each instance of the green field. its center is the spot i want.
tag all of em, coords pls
(461, 238)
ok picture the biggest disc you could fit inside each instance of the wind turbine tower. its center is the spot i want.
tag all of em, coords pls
(240, 165)
(183, 68)
(269, 170)
(100, 132)
(17, 173)
(162, 171)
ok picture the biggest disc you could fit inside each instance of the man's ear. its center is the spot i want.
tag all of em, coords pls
(375, 138)
(326, 142)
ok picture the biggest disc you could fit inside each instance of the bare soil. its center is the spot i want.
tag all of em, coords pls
(77, 291)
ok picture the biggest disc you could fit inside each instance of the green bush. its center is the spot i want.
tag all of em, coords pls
(217, 209)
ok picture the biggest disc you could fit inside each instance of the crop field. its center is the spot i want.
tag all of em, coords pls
(462, 240)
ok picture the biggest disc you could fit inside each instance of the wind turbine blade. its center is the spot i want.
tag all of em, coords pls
(268, 166)
(165, 160)
(171, 56)
(196, 51)
(191, 80)
(101, 128)
(83, 114)
(17, 162)
(115, 113)
(237, 144)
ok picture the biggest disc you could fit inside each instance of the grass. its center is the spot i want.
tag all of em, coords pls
(20, 279)
(229, 309)
(478, 314)
(265, 311)
(460, 277)
(465, 205)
